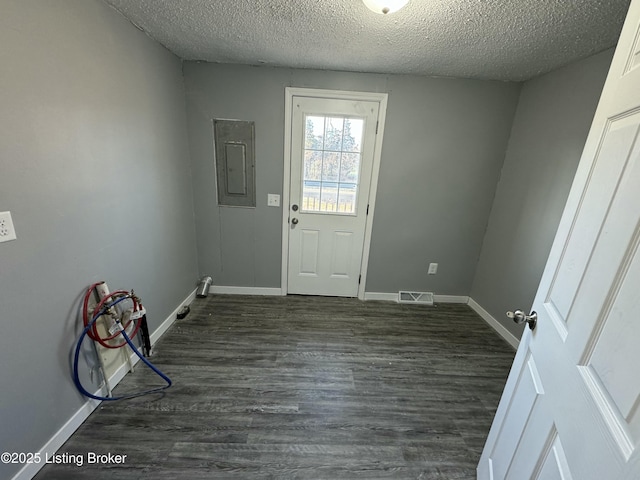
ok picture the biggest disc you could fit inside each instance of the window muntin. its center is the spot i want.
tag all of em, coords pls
(332, 157)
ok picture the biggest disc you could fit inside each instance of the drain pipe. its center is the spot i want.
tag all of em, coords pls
(203, 287)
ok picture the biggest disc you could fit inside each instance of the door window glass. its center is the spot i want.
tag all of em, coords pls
(332, 152)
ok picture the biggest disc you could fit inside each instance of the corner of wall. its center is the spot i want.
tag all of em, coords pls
(495, 324)
(497, 183)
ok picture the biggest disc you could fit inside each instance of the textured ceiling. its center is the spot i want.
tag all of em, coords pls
(488, 39)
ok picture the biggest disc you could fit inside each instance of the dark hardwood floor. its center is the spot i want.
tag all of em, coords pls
(304, 388)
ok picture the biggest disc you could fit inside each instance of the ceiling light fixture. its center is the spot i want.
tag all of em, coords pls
(385, 6)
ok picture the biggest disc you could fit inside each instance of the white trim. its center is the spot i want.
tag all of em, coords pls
(381, 296)
(486, 316)
(61, 436)
(267, 291)
(381, 99)
(493, 323)
(451, 299)
(58, 439)
(164, 326)
(286, 185)
(335, 94)
(393, 297)
(373, 191)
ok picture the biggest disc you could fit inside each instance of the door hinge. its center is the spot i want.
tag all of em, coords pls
(377, 124)
(367, 209)
(359, 279)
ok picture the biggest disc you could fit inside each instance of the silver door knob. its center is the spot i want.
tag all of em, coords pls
(520, 317)
(294, 221)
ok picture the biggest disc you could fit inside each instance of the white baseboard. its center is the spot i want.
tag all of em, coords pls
(164, 326)
(380, 296)
(31, 469)
(493, 323)
(451, 299)
(268, 291)
(61, 436)
(393, 297)
(486, 316)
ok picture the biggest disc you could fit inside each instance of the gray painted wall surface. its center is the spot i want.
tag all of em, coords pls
(444, 147)
(94, 168)
(549, 131)
(444, 144)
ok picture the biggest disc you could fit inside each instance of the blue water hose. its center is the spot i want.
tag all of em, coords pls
(76, 377)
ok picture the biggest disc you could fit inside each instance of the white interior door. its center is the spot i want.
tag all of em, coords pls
(571, 406)
(332, 153)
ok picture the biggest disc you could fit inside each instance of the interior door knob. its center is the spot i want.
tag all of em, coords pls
(520, 317)
(294, 221)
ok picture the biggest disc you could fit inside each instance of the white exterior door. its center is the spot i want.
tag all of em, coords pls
(571, 405)
(332, 158)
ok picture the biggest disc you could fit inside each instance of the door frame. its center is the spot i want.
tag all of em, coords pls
(290, 93)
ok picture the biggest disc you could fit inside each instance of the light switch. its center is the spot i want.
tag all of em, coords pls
(273, 200)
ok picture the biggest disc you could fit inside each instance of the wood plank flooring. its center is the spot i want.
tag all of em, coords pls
(304, 388)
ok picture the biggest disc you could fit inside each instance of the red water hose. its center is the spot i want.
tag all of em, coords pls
(85, 309)
(93, 331)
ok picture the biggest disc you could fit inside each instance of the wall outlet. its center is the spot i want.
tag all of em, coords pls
(433, 269)
(7, 232)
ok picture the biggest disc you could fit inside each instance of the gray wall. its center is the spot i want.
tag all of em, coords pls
(444, 144)
(549, 131)
(94, 169)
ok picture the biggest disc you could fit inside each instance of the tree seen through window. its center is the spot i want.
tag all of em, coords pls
(331, 163)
